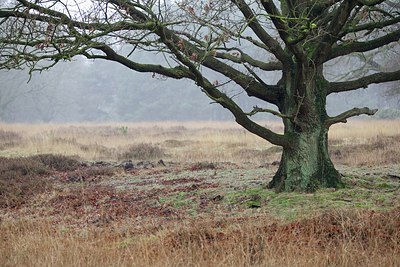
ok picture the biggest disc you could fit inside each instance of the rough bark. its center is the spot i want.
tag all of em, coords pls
(305, 164)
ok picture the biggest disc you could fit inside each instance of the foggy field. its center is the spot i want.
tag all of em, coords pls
(370, 142)
(195, 195)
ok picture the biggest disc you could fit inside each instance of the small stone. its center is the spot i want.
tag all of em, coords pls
(128, 165)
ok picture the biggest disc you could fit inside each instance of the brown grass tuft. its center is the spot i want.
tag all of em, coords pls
(21, 179)
(57, 162)
(9, 139)
(142, 151)
(203, 166)
(379, 150)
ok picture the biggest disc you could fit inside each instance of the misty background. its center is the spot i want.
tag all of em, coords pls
(84, 90)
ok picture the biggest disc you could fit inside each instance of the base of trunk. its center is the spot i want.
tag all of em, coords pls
(325, 177)
(306, 168)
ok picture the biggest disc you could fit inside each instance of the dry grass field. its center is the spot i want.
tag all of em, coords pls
(66, 199)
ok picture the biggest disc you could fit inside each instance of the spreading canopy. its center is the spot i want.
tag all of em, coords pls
(239, 40)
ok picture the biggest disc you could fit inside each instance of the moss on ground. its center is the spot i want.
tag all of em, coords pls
(235, 190)
(180, 199)
(373, 193)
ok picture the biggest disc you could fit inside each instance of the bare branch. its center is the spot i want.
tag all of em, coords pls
(251, 86)
(283, 29)
(197, 40)
(348, 114)
(381, 77)
(212, 92)
(351, 47)
(371, 26)
(242, 57)
(266, 110)
(242, 118)
(253, 23)
(340, 17)
(178, 72)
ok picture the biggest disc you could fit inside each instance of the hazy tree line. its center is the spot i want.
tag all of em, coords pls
(84, 90)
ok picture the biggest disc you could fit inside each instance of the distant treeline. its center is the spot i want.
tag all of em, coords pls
(84, 90)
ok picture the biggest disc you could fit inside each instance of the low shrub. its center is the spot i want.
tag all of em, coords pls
(380, 150)
(9, 139)
(142, 151)
(20, 179)
(57, 162)
(203, 166)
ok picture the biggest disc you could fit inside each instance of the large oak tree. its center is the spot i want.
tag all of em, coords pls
(241, 41)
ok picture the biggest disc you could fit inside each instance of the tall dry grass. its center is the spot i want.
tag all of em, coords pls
(362, 130)
(193, 141)
(334, 239)
(188, 141)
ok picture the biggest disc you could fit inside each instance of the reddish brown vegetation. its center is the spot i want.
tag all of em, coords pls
(21, 179)
(103, 204)
(325, 235)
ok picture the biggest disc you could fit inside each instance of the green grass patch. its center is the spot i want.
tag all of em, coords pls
(177, 200)
(251, 198)
(364, 192)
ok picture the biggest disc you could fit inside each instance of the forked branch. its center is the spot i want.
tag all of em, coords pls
(272, 44)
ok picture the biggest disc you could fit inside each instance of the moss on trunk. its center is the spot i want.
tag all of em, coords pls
(306, 166)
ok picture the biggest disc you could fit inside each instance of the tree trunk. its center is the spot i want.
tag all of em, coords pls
(305, 163)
